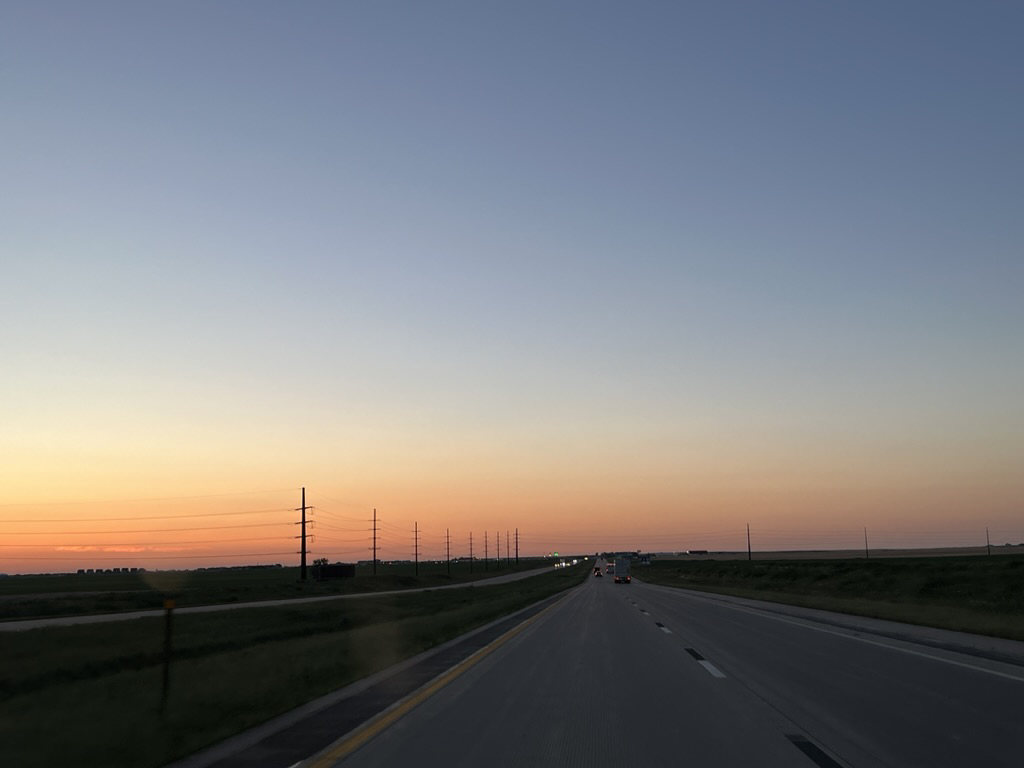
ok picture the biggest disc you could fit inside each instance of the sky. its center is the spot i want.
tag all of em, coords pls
(619, 275)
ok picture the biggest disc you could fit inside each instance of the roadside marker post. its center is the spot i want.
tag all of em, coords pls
(165, 689)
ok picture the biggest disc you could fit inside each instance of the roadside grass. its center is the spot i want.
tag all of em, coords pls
(89, 695)
(41, 596)
(983, 595)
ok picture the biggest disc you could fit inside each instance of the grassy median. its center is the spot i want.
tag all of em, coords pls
(89, 695)
(983, 595)
(40, 596)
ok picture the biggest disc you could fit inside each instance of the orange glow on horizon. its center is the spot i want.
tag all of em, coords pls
(645, 513)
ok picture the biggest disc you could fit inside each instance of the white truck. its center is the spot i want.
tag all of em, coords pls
(622, 570)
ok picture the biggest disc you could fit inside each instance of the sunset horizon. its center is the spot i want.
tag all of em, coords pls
(620, 278)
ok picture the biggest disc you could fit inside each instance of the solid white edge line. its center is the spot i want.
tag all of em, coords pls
(766, 615)
(715, 672)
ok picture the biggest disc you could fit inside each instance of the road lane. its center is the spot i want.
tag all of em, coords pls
(289, 738)
(593, 681)
(874, 701)
(645, 673)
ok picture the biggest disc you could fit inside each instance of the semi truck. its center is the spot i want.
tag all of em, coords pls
(622, 570)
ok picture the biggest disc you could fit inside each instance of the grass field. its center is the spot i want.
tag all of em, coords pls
(38, 596)
(851, 554)
(979, 594)
(89, 695)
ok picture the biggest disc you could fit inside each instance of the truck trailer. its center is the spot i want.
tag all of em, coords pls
(622, 570)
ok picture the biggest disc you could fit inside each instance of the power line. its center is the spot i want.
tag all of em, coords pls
(134, 501)
(342, 503)
(146, 517)
(130, 555)
(343, 518)
(344, 541)
(149, 543)
(147, 530)
(336, 529)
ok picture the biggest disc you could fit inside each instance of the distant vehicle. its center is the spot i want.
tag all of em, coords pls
(610, 568)
(622, 571)
(597, 573)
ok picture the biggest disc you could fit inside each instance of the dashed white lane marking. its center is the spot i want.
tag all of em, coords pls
(940, 659)
(715, 672)
(666, 630)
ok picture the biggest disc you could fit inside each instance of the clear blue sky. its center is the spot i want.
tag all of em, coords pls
(548, 244)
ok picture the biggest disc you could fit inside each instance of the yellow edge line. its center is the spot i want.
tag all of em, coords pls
(375, 725)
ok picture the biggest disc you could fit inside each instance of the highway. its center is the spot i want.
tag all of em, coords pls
(617, 674)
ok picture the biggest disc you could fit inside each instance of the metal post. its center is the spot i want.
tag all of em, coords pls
(165, 690)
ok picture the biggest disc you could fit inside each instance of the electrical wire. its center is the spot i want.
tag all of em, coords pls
(147, 543)
(343, 541)
(147, 517)
(136, 501)
(148, 530)
(344, 518)
(320, 524)
(344, 503)
(147, 556)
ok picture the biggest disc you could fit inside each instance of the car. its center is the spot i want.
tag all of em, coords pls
(598, 574)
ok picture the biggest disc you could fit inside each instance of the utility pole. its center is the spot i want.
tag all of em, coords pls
(517, 546)
(470, 551)
(302, 566)
(866, 555)
(988, 541)
(448, 549)
(748, 542)
(485, 550)
(497, 549)
(508, 561)
(416, 548)
(374, 541)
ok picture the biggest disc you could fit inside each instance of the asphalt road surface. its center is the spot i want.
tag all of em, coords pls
(618, 674)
